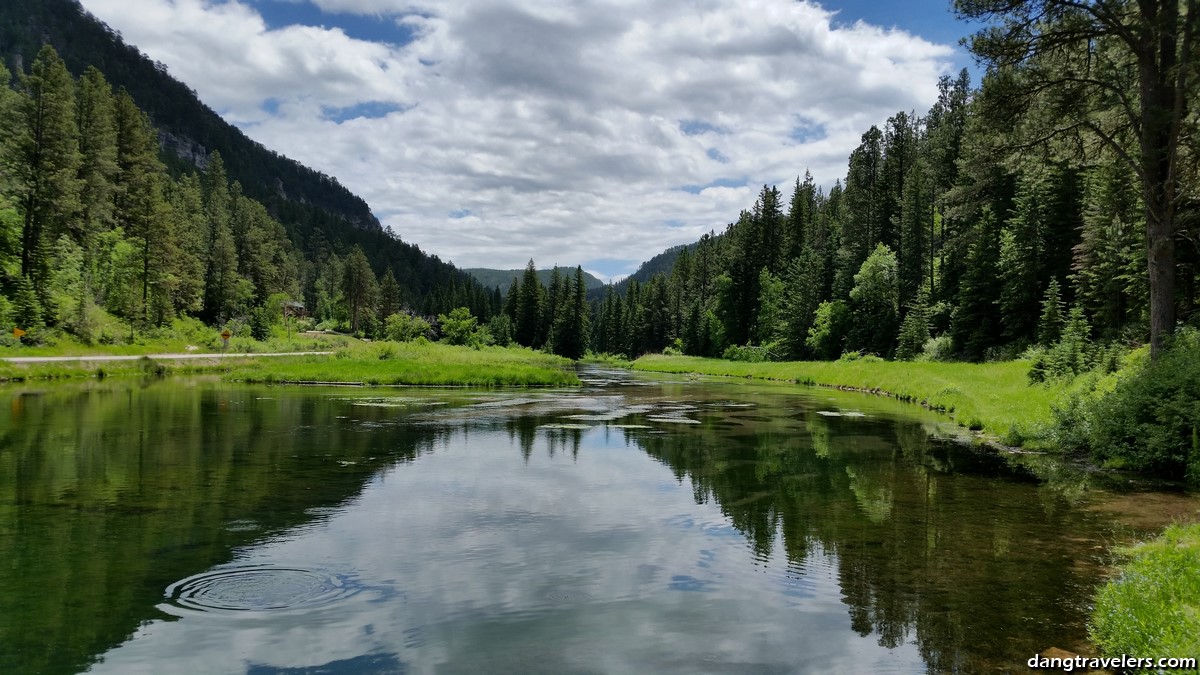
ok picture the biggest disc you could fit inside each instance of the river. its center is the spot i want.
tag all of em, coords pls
(636, 524)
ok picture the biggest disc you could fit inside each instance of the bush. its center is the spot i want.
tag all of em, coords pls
(752, 354)
(940, 348)
(458, 328)
(1150, 418)
(404, 328)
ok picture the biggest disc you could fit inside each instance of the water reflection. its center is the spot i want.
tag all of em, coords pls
(629, 526)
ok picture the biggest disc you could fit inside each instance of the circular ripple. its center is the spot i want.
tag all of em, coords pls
(258, 588)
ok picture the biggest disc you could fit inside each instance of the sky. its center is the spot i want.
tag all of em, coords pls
(571, 132)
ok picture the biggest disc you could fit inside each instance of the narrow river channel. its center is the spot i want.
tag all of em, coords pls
(636, 524)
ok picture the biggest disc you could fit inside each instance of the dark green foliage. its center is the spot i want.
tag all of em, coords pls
(501, 328)
(976, 322)
(1149, 421)
(43, 159)
(528, 311)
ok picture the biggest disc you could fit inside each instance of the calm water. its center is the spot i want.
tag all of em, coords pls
(634, 525)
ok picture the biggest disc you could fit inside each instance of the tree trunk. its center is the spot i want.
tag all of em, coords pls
(1160, 111)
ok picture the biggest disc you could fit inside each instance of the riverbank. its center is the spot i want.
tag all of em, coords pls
(993, 398)
(382, 363)
(1153, 606)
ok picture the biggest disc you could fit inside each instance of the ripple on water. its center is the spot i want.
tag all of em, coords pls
(260, 588)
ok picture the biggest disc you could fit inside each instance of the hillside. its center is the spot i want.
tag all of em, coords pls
(320, 215)
(659, 264)
(492, 278)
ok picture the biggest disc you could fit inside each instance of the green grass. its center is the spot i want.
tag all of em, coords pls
(1153, 607)
(995, 398)
(385, 363)
(414, 363)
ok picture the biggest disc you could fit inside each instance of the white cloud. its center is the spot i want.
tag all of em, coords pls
(557, 125)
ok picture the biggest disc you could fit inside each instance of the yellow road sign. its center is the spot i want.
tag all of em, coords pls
(225, 334)
(17, 332)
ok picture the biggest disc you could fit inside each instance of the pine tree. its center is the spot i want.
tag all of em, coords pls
(389, 295)
(45, 164)
(976, 319)
(528, 310)
(914, 331)
(803, 285)
(139, 203)
(96, 115)
(359, 290)
(220, 269)
(1050, 325)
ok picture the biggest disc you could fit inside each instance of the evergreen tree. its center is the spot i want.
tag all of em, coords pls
(528, 308)
(139, 203)
(1050, 324)
(359, 290)
(96, 115)
(389, 295)
(914, 331)
(45, 161)
(803, 284)
(220, 267)
(976, 320)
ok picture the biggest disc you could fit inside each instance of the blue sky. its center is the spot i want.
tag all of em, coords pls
(490, 132)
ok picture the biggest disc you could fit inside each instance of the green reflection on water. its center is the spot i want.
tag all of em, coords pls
(110, 494)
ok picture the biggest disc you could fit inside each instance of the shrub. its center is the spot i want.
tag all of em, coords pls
(1150, 418)
(404, 328)
(458, 328)
(940, 348)
(749, 353)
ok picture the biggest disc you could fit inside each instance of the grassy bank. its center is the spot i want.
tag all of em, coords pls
(1153, 607)
(411, 363)
(993, 397)
(385, 363)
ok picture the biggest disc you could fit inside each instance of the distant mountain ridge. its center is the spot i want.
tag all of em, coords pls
(493, 278)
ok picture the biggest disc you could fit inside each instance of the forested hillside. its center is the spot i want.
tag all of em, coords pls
(93, 226)
(322, 220)
(502, 279)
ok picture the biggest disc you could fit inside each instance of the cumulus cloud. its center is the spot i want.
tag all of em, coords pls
(568, 131)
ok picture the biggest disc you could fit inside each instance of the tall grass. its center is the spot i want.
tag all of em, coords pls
(1153, 607)
(414, 363)
(993, 397)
